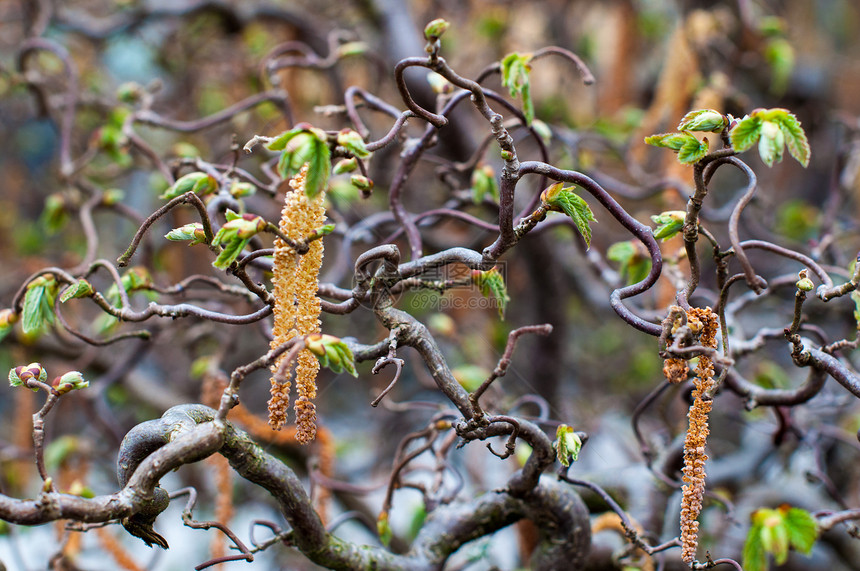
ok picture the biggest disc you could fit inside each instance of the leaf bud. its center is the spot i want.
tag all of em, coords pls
(69, 382)
(434, 30)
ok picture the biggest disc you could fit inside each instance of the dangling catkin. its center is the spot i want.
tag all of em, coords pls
(697, 434)
(297, 307)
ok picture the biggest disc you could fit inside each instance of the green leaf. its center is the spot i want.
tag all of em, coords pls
(484, 183)
(332, 352)
(319, 168)
(779, 53)
(795, 137)
(567, 444)
(229, 253)
(746, 132)
(634, 266)
(416, 523)
(383, 528)
(693, 150)
(703, 120)
(672, 141)
(136, 278)
(543, 130)
(8, 318)
(689, 148)
(753, 555)
(470, 377)
(279, 143)
(492, 285)
(199, 182)
(59, 450)
(775, 531)
(855, 296)
(193, 232)
(528, 103)
(54, 216)
(802, 529)
(668, 224)
(771, 143)
(352, 142)
(515, 69)
(81, 288)
(621, 252)
(304, 144)
(562, 199)
(38, 307)
(774, 537)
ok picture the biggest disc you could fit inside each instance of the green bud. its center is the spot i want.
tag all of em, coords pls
(331, 352)
(129, 92)
(185, 150)
(351, 49)
(669, 216)
(434, 30)
(484, 183)
(81, 288)
(542, 129)
(439, 84)
(352, 141)
(70, 381)
(507, 155)
(703, 120)
(193, 232)
(323, 230)
(804, 283)
(8, 318)
(55, 213)
(568, 444)
(362, 183)
(242, 189)
(245, 227)
(345, 166)
(199, 182)
(136, 278)
(772, 143)
(20, 375)
(113, 196)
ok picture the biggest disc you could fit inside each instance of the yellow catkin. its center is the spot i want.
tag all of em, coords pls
(223, 503)
(71, 475)
(675, 370)
(693, 490)
(114, 548)
(297, 308)
(611, 521)
(214, 383)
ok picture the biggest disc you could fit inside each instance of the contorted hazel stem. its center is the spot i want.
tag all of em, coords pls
(697, 434)
(297, 307)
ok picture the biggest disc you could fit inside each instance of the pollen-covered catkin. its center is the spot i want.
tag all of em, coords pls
(693, 490)
(297, 308)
